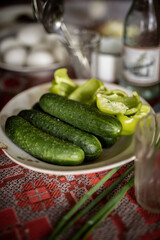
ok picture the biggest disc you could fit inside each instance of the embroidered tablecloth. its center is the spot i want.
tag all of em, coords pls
(32, 203)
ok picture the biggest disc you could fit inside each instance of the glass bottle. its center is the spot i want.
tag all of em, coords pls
(141, 52)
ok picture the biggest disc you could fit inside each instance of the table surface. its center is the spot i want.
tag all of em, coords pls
(32, 203)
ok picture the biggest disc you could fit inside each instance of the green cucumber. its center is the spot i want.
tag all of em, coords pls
(53, 126)
(81, 115)
(42, 145)
(107, 142)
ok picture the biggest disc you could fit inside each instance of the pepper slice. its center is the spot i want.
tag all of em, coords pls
(129, 122)
(118, 102)
(62, 83)
(85, 93)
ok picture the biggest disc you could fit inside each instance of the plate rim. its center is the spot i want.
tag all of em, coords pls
(79, 169)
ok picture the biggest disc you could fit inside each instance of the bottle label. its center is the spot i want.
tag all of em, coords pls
(141, 65)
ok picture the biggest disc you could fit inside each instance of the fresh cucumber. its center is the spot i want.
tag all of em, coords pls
(42, 145)
(53, 126)
(81, 115)
(107, 142)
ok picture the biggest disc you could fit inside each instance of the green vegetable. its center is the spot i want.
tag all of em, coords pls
(128, 109)
(80, 115)
(62, 83)
(107, 141)
(53, 126)
(85, 93)
(129, 122)
(67, 217)
(91, 204)
(117, 102)
(41, 145)
(104, 211)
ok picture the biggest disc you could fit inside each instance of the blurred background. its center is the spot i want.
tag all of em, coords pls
(45, 53)
(88, 13)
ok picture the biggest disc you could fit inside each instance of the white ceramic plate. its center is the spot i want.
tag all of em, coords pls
(122, 152)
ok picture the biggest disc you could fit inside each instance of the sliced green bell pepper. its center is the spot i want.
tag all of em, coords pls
(118, 102)
(62, 83)
(85, 93)
(129, 122)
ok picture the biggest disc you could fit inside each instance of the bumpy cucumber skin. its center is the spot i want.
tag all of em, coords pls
(53, 126)
(41, 145)
(81, 115)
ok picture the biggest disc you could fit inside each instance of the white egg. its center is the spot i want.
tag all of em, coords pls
(31, 35)
(8, 43)
(15, 56)
(43, 46)
(39, 58)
